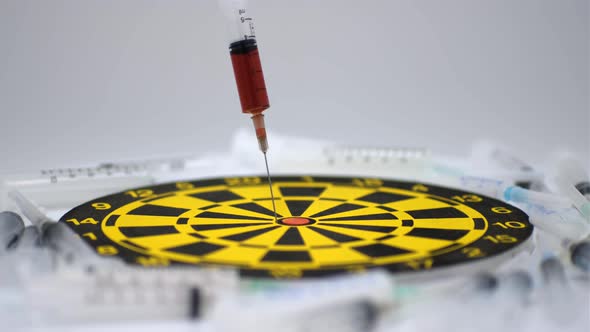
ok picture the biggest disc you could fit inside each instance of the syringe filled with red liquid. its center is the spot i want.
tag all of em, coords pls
(251, 87)
(245, 60)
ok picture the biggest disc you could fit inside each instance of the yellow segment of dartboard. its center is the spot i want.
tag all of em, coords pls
(324, 225)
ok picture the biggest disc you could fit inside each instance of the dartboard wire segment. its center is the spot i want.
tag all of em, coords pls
(325, 225)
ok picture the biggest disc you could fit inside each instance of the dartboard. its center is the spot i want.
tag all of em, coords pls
(323, 225)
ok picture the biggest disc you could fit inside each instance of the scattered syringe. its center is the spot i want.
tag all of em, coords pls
(345, 303)
(560, 303)
(490, 158)
(62, 187)
(296, 155)
(73, 296)
(67, 187)
(57, 235)
(502, 190)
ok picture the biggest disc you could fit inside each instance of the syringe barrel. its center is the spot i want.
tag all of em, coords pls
(249, 77)
(245, 58)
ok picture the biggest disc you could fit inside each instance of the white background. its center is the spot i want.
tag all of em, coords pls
(104, 80)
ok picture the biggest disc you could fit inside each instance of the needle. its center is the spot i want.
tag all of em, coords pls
(272, 196)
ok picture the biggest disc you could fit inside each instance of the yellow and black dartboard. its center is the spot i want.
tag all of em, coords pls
(324, 225)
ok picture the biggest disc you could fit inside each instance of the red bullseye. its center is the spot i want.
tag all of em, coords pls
(296, 221)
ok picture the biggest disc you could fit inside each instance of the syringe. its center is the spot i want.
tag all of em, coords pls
(57, 235)
(245, 59)
(71, 297)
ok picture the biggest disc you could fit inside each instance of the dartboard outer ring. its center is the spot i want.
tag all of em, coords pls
(325, 225)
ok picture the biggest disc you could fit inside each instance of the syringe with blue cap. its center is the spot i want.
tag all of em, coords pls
(550, 212)
(504, 190)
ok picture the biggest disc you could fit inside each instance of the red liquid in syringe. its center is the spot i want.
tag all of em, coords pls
(249, 77)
